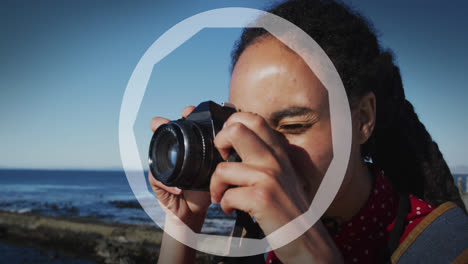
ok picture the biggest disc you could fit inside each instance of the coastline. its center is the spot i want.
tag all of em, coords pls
(84, 238)
(65, 239)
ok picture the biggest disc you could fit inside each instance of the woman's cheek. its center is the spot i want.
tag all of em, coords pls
(311, 157)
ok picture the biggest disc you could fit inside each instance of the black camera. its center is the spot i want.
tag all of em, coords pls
(182, 153)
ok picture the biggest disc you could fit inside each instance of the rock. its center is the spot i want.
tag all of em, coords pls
(103, 242)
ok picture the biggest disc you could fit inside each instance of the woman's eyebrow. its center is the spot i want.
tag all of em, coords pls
(290, 112)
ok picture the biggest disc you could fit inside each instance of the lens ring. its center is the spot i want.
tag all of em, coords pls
(166, 153)
(181, 155)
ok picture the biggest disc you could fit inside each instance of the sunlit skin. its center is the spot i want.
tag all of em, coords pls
(275, 83)
(283, 135)
(279, 87)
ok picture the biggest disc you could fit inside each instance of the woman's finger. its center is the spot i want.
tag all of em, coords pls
(232, 200)
(157, 122)
(155, 183)
(270, 207)
(257, 124)
(250, 147)
(187, 110)
(235, 174)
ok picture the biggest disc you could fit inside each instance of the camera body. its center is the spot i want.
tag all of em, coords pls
(182, 153)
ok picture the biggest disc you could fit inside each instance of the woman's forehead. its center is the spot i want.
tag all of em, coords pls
(267, 77)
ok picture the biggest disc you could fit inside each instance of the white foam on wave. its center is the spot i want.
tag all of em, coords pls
(20, 211)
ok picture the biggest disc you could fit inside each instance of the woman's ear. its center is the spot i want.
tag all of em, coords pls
(367, 115)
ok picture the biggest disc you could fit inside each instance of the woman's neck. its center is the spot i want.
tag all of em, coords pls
(353, 194)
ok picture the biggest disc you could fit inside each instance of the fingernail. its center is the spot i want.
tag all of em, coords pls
(177, 189)
(213, 201)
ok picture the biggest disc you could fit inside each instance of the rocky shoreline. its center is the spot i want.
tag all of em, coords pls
(84, 238)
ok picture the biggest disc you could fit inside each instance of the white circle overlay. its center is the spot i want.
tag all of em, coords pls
(340, 115)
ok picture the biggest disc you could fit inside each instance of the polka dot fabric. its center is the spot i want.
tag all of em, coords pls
(364, 238)
(419, 209)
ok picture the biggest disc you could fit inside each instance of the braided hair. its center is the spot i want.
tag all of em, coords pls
(400, 144)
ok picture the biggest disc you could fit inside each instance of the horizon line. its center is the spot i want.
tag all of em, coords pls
(457, 170)
(63, 169)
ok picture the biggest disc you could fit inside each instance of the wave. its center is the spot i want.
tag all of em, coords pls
(44, 187)
(126, 204)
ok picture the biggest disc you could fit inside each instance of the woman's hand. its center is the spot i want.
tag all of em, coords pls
(188, 206)
(269, 188)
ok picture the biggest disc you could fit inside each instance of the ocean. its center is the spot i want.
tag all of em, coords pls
(101, 195)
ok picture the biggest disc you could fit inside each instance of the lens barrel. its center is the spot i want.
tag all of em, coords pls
(182, 154)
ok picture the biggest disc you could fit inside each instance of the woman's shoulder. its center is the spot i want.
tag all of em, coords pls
(433, 234)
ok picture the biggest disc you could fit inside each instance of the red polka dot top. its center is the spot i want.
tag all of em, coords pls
(364, 238)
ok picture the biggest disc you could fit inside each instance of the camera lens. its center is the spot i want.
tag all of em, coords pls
(166, 153)
(182, 152)
(182, 155)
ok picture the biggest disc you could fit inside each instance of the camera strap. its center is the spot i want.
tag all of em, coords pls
(253, 230)
(243, 220)
(398, 228)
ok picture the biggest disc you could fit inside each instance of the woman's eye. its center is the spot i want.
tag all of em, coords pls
(294, 128)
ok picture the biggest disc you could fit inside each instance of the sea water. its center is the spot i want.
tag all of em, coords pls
(101, 195)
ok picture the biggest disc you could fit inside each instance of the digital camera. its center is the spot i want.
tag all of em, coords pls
(182, 153)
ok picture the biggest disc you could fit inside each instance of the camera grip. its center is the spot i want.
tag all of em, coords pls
(233, 157)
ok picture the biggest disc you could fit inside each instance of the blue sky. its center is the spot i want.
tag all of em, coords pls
(65, 66)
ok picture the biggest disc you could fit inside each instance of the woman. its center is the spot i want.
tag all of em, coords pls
(283, 136)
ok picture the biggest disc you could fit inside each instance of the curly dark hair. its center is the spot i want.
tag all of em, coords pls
(400, 144)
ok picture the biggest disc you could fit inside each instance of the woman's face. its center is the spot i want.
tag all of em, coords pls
(274, 82)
